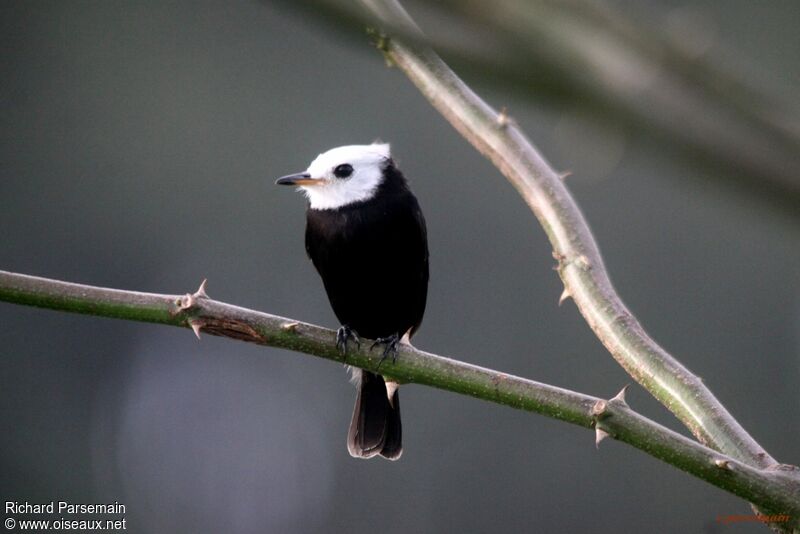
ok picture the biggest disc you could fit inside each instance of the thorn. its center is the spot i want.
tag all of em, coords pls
(620, 397)
(502, 118)
(599, 435)
(564, 296)
(196, 326)
(599, 408)
(201, 291)
(564, 175)
(723, 464)
(391, 387)
(406, 339)
(582, 261)
(290, 327)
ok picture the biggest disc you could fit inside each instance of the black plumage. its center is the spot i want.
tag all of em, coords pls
(372, 256)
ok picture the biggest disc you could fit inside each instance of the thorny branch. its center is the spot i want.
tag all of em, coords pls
(580, 265)
(774, 489)
(741, 467)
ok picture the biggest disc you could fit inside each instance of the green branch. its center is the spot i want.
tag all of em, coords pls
(773, 489)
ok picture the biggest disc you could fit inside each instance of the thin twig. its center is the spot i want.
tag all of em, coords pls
(777, 490)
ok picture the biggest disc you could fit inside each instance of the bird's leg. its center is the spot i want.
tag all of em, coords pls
(343, 335)
(390, 347)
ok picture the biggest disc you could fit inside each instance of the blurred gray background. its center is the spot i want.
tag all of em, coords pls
(140, 141)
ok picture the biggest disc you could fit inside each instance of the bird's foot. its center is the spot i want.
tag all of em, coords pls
(390, 347)
(343, 335)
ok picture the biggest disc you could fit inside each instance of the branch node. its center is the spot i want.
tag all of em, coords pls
(189, 300)
(381, 41)
(599, 409)
(498, 378)
(185, 302)
(566, 174)
(561, 260)
(582, 261)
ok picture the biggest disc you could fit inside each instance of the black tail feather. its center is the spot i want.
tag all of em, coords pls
(393, 447)
(375, 427)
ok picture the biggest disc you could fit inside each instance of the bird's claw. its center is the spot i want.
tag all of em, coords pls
(390, 347)
(343, 335)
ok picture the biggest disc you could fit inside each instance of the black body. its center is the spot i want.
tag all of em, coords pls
(373, 259)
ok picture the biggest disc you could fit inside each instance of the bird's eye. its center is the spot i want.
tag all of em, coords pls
(343, 171)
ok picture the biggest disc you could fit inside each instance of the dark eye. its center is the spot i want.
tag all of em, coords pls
(343, 171)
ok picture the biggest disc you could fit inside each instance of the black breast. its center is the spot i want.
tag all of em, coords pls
(373, 259)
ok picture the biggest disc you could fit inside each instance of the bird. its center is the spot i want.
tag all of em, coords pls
(366, 237)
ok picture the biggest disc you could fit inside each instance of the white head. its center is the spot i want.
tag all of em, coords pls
(341, 175)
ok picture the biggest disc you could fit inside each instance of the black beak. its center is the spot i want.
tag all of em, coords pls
(295, 179)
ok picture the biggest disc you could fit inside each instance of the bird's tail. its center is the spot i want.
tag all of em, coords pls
(375, 427)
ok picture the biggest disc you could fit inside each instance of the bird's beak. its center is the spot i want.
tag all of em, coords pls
(301, 178)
